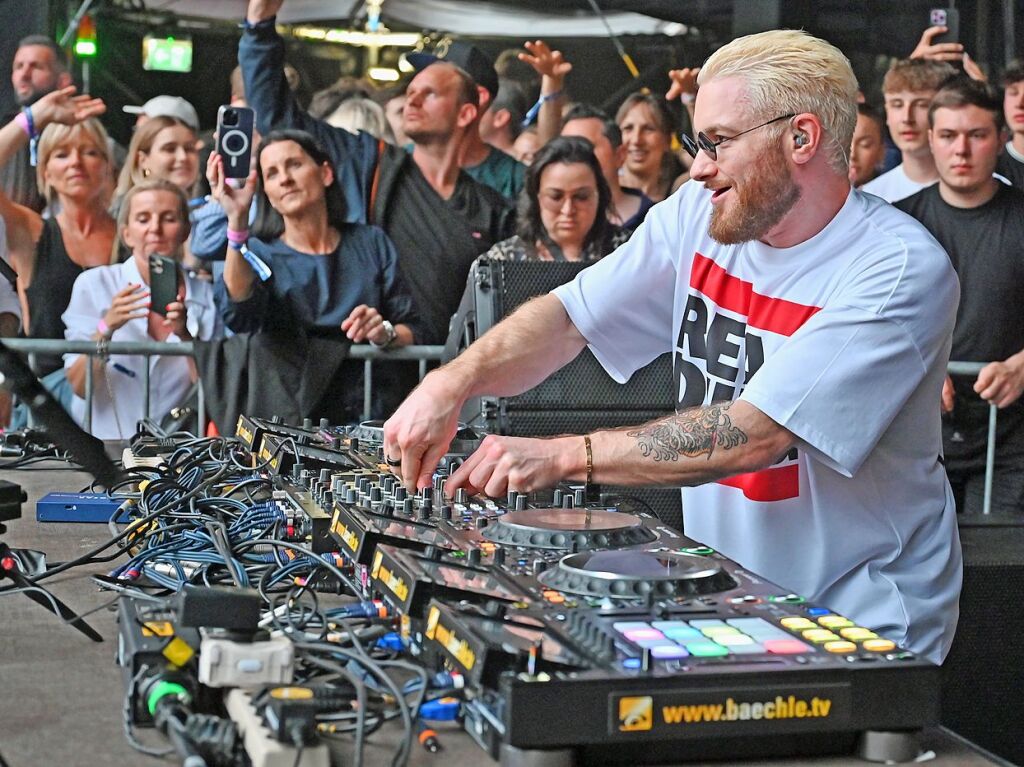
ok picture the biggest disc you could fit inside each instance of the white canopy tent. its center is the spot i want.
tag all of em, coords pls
(464, 17)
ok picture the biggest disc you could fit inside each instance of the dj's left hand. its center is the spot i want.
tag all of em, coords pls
(501, 464)
(1001, 383)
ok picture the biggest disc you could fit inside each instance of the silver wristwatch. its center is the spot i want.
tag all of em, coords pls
(392, 335)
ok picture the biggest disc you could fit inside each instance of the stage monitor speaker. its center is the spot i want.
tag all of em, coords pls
(580, 397)
(983, 674)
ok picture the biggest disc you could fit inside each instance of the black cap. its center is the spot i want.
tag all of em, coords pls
(466, 57)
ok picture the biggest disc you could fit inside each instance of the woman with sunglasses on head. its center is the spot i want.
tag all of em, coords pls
(304, 269)
(563, 208)
(647, 128)
(74, 170)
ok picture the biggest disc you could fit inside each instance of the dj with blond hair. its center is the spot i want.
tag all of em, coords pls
(810, 325)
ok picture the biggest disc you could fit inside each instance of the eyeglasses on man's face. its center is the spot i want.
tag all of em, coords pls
(711, 147)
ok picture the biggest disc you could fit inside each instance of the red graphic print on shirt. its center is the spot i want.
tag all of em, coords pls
(726, 330)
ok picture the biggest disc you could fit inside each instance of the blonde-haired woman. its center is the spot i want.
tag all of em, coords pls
(162, 149)
(74, 171)
(112, 303)
(165, 148)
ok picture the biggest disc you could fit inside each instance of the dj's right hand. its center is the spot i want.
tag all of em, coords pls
(420, 431)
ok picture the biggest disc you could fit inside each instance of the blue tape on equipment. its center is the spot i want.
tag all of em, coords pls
(442, 710)
(78, 507)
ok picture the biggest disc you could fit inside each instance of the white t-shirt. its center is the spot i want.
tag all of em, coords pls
(894, 185)
(848, 334)
(170, 377)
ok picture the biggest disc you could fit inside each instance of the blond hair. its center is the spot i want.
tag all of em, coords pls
(790, 71)
(142, 143)
(56, 135)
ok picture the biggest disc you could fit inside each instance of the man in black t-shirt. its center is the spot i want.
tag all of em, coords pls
(439, 218)
(1011, 161)
(980, 222)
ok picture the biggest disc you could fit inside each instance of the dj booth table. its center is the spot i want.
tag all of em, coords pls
(61, 694)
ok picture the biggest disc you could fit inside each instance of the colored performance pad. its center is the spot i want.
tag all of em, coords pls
(785, 646)
(879, 645)
(834, 621)
(819, 635)
(840, 646)
(857, 634)
(706, 649)
(797, 624)
(668, 652)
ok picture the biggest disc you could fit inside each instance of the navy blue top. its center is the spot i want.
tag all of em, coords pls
(317, 292)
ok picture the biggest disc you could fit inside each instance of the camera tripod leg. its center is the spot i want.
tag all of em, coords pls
(9, 569)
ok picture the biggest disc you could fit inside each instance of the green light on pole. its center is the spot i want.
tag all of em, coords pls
(85, 39)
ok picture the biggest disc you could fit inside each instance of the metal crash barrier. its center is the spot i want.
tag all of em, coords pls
(369, 354)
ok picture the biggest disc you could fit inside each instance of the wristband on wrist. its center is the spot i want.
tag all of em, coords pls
(237, 237)
(688, 98)
(103, 328)
(23, 123)
(33, 137)
(535, 109)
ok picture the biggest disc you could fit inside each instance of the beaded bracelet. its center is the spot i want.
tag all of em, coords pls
(590, 459)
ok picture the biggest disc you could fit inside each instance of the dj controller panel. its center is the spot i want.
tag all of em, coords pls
(592, 628)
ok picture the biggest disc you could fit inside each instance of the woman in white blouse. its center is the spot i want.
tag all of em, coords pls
(111, 303)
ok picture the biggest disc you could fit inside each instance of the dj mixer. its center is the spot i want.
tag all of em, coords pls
(595, 630)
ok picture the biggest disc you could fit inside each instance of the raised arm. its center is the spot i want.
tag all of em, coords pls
(553, 69)
(261, 57)
(23, 225)
(239, 277)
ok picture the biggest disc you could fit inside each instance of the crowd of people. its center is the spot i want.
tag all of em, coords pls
(365, 210)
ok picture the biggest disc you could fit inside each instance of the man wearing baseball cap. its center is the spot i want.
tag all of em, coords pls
(165, 106)
(487, 164)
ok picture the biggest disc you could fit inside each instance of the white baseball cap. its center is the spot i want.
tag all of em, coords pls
(168, 106)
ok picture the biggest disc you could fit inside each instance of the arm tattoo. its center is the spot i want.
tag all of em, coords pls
(691, 434)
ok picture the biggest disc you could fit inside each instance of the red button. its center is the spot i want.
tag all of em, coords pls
(785, 646)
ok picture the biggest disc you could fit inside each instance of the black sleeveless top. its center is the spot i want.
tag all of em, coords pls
(50, 292)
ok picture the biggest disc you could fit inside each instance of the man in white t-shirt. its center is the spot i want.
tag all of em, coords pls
(908, 89)
(811, 329)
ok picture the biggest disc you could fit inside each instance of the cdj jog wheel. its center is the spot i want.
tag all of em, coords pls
(629, 574)
(569, 529)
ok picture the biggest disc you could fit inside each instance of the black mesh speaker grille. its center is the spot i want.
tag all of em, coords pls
(582, 384)
(982, 676)
(518, 422)
(581, 397)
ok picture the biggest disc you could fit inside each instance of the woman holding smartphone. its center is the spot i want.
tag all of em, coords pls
(112, 303)
(304, 270)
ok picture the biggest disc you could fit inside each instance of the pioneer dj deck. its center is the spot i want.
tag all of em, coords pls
(579, 627)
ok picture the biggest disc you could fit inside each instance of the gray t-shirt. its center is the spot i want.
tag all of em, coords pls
(844, 341)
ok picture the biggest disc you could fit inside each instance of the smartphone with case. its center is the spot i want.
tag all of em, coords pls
(948, 18)
(163, 283)
(234, 139)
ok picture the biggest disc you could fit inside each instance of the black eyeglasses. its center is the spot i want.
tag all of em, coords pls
(711, 147)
